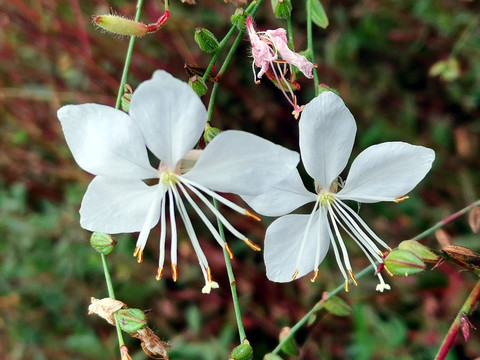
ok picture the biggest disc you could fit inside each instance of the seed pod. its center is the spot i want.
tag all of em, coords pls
(118, 25)
(198, 85)
(282, 8)
(210, 132)
(238, 19)
(462, 254)
(103, 243)
(131, 320)
(206, 40)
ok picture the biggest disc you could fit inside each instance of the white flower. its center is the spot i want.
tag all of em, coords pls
(168, 118)
(296, 244)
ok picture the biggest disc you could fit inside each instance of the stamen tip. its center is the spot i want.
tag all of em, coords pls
(159, 273)
(253, 246)
(174, 272)
(400, 199)
(295, 274)
(227, 249)
(252, 215)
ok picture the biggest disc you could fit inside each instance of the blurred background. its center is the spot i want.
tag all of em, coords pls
(408, 70)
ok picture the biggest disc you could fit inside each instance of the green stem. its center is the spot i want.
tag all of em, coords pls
(233, 284)
(111, 295)
(318, 306)
(310, 44)
(290, 31)
(466, 309)
(128, 58)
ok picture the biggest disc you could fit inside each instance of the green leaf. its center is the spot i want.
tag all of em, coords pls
(337, 306)
(319, 17)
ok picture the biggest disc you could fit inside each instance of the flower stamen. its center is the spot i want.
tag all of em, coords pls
(294, 276)
(350, 274)
(252, 246)
(315, 275)
(159, 273)
(230, 254)
(174, 272)
(400, 199)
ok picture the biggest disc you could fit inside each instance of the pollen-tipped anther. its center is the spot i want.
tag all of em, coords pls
(227, 249)
(253, 246)
(351, 276)
(400, 199)
(138, 253)
(315, 275)
(347, 285)
(252, 215)
(159, 273)
(174, 272)
(295, 274)
(209, 274)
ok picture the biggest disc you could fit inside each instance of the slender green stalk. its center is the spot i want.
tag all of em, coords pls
(111, 294)
(290, 31)
(310, 44)
(465, 310)
(233, 284)
(128, 58)
(318, 306)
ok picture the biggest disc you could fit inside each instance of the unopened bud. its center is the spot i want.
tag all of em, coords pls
(289, 347)
(198, 85)
(282, 8)
(103, 243)
(126, 98)
(418, 249)
(403, 263)
(118, 25)
(210, 132)
(206, 40)
(238, 19)
(242, 352)
(131, 320)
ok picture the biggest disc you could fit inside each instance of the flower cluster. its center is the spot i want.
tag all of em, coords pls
(166, 117)
(296, 244)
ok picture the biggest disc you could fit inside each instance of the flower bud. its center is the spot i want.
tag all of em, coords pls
(242, 352)
(418, 249)
(131, 320)
(103, 243)
(289, 347)
(210, 132)
(403, 263)
(126, 98)
(206, 40)
(119, 25)
(271, 356)
(198, 85)
(282, 8)
(238, 19)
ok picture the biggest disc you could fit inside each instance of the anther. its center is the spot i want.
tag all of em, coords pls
(347, 286)
(388, 271)
(315, 275)
(159, 273)
(227, 249)
(209, 274)
(174, 272)
(138, 253)
(295, 274)
(350, 274)
(252, 245)
(252, 215)
(400, 199)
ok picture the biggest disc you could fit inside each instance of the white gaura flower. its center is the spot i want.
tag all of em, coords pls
(167, 118)
(296, 244)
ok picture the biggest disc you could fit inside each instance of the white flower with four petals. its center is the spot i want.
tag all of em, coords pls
(296, 244)
(167, 118)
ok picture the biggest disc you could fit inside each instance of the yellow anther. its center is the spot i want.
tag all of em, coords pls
(400, 199)
(209, 274)
(295, 274)
(252, 245)
(138, 253)
(347, 286)
(159, 273)
(315, 275)
(227, 249)
(252, 215)
(174, 272)
(388, 271)
(350, 274)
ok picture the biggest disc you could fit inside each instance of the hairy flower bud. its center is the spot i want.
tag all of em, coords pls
(198, 85)
(206, 40)
(238, 19)
(282, 8)
(242, 352)
(131, 320)
(103, 243)
(210, 132)
(118, 25)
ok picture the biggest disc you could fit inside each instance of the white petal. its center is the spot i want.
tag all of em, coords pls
(242, 163)
(170, 114)
(327, 132)
(104, 141)
(386, 171)
(286, 196)
(114, 206)
(283, 246)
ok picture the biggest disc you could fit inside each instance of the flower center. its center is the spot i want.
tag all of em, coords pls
(169, 178)
(325, 198)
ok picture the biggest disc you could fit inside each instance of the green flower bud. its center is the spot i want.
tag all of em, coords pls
(282, 8)
(238, 19)
(103, 243)
(418, 249)
(119, 25)
(131, 320)
(126, 98)
(198, 85)
(210, 132)
(404, 263)
(206, 40)
(242, 352)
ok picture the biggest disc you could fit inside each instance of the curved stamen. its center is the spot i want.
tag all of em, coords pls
(163, 235)
(173, 228)
(339, 238)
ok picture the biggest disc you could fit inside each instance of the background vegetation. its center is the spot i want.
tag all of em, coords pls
(377, 53)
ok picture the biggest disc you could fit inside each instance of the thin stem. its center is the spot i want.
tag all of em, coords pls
(128, 58)
(111, 295)
(310, 43)
(290, 31)
(318, 306)
(233, 284)
(465, 310)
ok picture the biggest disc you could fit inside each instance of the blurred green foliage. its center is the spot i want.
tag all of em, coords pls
(378, 54)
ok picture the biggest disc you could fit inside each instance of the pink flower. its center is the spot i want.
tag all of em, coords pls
(272, 55)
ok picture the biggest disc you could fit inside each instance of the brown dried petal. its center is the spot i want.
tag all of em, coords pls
(105, 308)
(151, 344)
